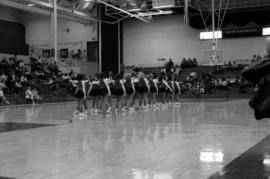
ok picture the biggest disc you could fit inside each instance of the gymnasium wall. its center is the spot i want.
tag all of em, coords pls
(71, 34)
(10, 14)
(12, 32)
(170, 37)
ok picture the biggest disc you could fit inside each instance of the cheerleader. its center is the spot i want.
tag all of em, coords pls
(118, 90)
(142, 89)
(170, 90)
(130, 91)
(177, 91)
(153, 90)
(94, 92)
(109, 80)
(80, 94)
(105, 91)
(161, 91)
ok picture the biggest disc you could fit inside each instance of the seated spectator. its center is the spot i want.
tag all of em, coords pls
(14, 59)
(259, 58)
(19, 69)
(2, 96)
(18, 87)
(3, 78)
(23, 80)
(170, 64)
(39, 61)
(184, 63)
(49, 82)
(193, 74)
(71, 74)
(29, 96)
(65, 76)
(194, 62)
(254, 59)
(189, 62)
(4, 64)
(36, 96)
(79, 54)
(169, 67)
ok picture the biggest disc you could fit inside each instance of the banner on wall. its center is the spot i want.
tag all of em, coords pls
(46, 53)
(243, 32)
(64, 53)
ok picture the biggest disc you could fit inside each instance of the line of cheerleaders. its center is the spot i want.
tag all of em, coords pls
(150, 92)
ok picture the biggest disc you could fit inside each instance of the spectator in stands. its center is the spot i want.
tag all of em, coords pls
(36, 96)
(3, 77)
(23, 81)
(2, 96)
(194, 62)
(15, 59)
(170, 64)
(4, 64)
(39, 61)
(242, 85)
(184, 63)
(193, 74)
(169, 67)
(79, 54)
(71, 74)
(189, 62)
(259, 58)
(254, 59)
(49, 82)
(29, 96)
(18, 87)
(19, 69)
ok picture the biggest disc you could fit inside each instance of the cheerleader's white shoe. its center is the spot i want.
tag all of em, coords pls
(131, 109)
(109, 110)
(96, 111)
(81, 114)
(76, 112)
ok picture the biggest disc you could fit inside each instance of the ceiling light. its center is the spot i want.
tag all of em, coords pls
(133, 10)
(266, 31)
(209, 35)
(155, 13)
(163, 7)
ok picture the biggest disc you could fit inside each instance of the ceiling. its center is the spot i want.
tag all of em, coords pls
(237, 12)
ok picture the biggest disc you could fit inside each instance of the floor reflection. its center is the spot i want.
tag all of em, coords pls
(190, 142)
(255, 163)
(8, 126)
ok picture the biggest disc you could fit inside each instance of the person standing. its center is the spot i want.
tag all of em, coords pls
(256, 73)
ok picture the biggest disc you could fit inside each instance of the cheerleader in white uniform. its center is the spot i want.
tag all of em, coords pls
(104, 92)
(177, 91)
(170, 90)
(119, 91)
(130, 91)
(80, 94)
(152, 81)
(161, 92)
(94, 92)
(142, 89)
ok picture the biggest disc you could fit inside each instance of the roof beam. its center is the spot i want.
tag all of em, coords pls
(121, 10)
(62, 9)
(51, 2)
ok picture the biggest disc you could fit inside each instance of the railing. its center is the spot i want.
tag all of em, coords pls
(141, 6)
(205, 5)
